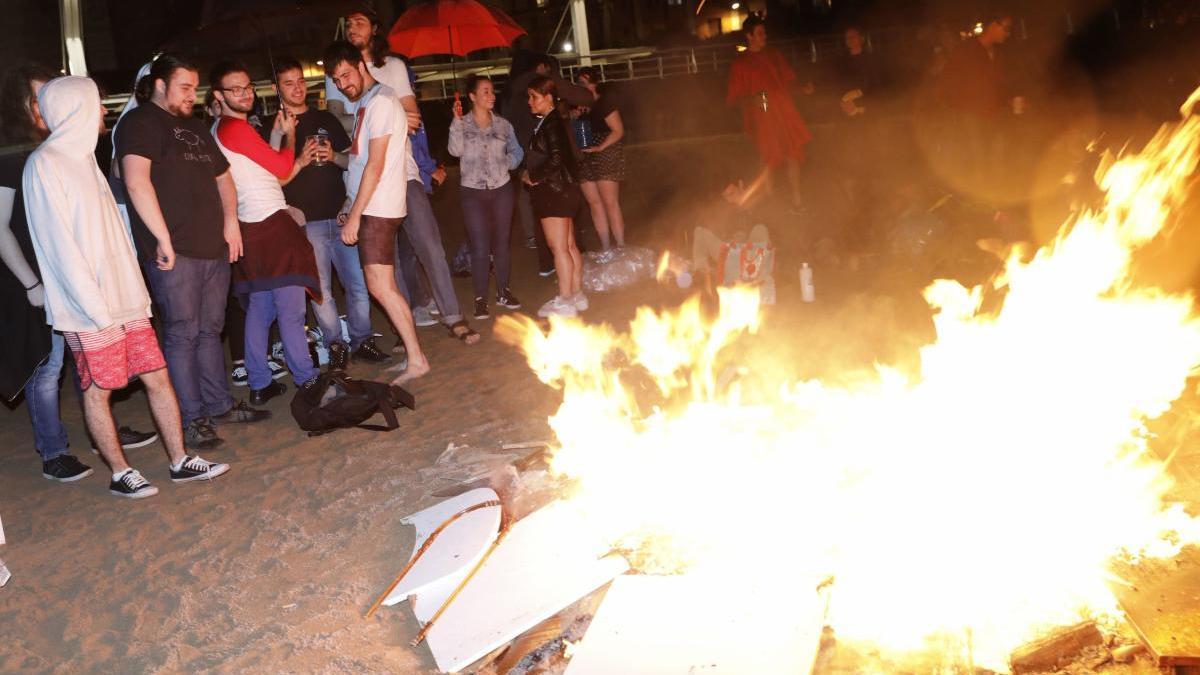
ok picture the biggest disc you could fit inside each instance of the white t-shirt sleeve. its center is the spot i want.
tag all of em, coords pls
(395, 75)
(380, 119)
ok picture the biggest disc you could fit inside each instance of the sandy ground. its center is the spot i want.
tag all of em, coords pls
(270, 568)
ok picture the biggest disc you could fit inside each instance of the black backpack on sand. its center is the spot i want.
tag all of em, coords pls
(338, 401)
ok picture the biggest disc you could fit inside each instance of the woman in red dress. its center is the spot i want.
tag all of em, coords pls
(761, 83)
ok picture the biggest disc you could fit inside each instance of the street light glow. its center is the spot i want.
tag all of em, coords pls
(568, 47)
(736, 5)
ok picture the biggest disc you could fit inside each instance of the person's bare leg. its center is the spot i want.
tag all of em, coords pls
(795, 180)
(556, 238)
(591, 192)
(381, 283)
(610, 194)
(165, 409)
(98, 416)
(576, 260)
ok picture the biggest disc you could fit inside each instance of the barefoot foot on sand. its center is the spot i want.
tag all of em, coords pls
(412, 372)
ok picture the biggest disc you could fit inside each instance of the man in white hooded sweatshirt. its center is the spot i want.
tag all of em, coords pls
(94, 291)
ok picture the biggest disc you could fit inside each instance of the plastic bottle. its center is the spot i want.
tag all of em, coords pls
(808, 292)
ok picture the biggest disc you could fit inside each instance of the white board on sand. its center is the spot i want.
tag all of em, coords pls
(537, 570)
(678, 625)
(456, 550)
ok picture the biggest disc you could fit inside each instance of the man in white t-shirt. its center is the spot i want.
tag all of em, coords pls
(364, 32)
(376, 178)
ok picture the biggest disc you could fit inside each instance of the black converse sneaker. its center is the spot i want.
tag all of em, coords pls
(195, 468)
(369, 351)
(65, 469)
(506, 298)
(131, 484)
(481, 309)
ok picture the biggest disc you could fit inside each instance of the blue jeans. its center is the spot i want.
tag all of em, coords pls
(191, 305)
(409, 280)
(41, 396)
(421, 227)
(287, 305)
(488, 216)
(326, 239)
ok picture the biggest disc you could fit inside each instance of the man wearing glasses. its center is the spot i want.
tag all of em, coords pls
(186, 229)
(277, 266)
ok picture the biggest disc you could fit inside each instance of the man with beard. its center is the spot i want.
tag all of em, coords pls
(367, 36)
(185, 225)
(319, 191)
(375, 190)
(277, 264)
(94, 293)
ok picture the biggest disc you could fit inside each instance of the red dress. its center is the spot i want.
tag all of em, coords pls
(779, 131)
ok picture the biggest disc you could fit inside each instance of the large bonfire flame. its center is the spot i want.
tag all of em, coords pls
(987, 497)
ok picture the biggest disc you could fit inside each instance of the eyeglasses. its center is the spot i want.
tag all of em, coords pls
(239, 91)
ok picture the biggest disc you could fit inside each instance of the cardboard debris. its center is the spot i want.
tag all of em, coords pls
(1060, 645)
(672, 625)
(537, 570)
(455, 550)
(1162, 602)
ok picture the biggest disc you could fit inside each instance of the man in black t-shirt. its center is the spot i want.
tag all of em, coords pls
(183, 213)
(319, 192)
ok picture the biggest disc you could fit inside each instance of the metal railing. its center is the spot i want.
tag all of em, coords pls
(438, 81)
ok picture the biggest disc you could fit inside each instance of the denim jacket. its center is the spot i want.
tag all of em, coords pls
(487, 154)
(426, 164)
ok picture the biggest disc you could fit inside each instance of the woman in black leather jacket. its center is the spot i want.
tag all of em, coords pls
(553, 180)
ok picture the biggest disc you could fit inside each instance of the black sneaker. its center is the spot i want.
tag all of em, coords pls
(65, 469)
(239, 375)
(195, 468)
(131, 484)
(201, 435)
(481, 309)
(277, 367)
(339, 356)
(506, 299)
(258, 397)
(129, 439)
(368, 351)
(241, 413)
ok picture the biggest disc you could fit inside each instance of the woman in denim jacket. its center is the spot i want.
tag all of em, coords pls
(488, 149)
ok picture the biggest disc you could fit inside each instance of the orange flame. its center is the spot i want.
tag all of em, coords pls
(939, 504)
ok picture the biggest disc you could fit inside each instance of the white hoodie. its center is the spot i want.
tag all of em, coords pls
(85, 251)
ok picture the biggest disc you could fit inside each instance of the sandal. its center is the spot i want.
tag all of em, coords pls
(465, 335)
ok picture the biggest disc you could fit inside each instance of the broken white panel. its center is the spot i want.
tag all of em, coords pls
(456, 550)
(545, 563)
(677, 625)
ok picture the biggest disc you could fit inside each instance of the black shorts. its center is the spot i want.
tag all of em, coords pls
(550, 203)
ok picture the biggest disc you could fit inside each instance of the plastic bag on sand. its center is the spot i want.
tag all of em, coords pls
(617, 268)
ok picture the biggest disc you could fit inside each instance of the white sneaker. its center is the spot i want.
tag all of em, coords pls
(422, 318)
(558, 306)
(580, 301)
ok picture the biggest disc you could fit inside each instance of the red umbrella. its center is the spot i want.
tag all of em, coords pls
(455, 27)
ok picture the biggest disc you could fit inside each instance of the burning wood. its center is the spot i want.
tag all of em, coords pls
(1055, 649)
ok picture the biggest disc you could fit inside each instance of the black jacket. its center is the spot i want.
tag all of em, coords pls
(550, 159)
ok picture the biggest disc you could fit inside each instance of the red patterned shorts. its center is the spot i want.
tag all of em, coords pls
(112, 357)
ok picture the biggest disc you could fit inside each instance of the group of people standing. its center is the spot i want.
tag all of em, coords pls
(205, 216)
